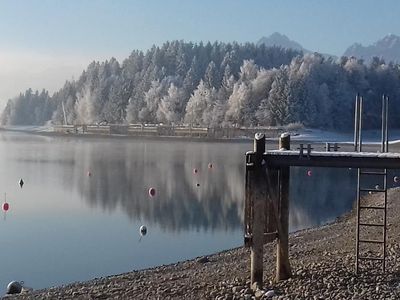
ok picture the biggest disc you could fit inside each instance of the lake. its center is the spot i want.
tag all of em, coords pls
(84, 199)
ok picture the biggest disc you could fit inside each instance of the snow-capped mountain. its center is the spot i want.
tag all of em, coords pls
(281, 40)
(387, 48)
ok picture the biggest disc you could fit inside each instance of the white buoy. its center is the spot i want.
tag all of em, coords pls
(143, 230)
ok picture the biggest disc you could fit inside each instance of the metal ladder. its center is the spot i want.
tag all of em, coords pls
(363, 242)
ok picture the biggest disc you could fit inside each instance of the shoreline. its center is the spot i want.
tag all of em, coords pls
(131, 137)
(305, 135)
(322, 261)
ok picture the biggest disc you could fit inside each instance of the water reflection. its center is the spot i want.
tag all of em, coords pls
(321, 196)
(209, 199)
(116, 174)
(121, 177)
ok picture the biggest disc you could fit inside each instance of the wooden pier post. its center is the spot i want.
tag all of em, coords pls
(259, 202)
(282, 252)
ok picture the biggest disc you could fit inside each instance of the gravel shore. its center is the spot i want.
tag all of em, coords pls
(322, 261)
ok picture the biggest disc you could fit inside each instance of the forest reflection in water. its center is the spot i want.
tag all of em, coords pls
(212, 198)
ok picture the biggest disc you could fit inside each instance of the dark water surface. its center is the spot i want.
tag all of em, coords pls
(65, 226)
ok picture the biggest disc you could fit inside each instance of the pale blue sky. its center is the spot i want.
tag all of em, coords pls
(60, 37)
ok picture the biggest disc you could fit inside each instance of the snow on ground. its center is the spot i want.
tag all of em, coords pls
(44, 128)
(368, 136)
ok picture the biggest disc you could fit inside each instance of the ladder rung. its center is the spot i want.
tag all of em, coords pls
(372, 190)
(372, 207)
(371, 258)
(372, 173)
(372, 224)
(371, 241)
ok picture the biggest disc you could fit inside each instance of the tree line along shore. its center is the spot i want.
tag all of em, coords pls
(216, 84)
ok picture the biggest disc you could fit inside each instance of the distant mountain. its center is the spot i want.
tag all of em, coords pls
(281, 40)
(277, 39)
(387, 48)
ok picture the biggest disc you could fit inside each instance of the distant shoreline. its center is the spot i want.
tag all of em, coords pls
(305, 135)
(129, 137)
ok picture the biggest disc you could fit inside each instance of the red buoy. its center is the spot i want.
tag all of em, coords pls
(309, 173)
(195, 171)
(6, 206)
(152, 192)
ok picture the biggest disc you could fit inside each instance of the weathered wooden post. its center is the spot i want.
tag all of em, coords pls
(259, 199)
(282, 255)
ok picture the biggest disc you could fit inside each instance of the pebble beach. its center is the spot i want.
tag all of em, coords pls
(322, 261)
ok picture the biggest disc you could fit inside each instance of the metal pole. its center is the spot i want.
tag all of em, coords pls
(386, 123)
(360, 108)
(384, 222)
(358, 219)
(359, 125)
(383, 143)
(282, 250)
(259, 199)
(356, 116)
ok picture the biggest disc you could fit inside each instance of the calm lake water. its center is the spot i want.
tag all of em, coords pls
(65, 226)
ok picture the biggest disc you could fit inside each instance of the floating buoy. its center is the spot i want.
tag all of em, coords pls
(21, 183)
(396, 179)
(210, 165)
(377, 187)
(152, 192)
(14, 287)
(143, 230)
(197, 184)
(309, 173)
(370, 192)
(6, 206)
(89, 174)
(195, 171)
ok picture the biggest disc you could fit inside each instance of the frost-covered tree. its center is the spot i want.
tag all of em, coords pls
(243, 84)
(278, 99)
(86, 112)
(29, 108)
(248, 71)
(211, 76)
(217, 116)
(170, 107)
(152, 99)
(238, 112)
(200, 105)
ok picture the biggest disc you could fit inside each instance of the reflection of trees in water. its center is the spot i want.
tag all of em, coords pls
(121, 176)
(325, 195)
(123, 171)
(321, 197)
